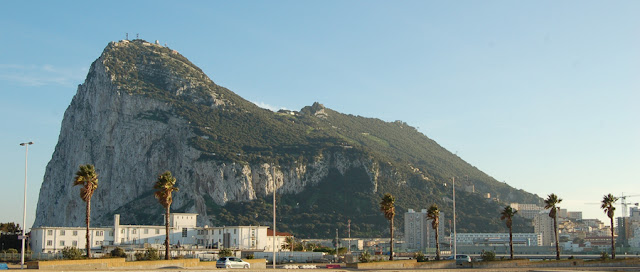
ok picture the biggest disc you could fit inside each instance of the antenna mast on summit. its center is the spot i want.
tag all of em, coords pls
(137, 36)
(127, 36)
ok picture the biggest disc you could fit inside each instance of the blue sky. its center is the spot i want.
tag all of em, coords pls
(540, 94)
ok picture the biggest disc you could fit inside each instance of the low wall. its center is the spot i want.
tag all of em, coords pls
(91, 264)
(257, 263)
(436, 264)
(177, 263)
(383, 265)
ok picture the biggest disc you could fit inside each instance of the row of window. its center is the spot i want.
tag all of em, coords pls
(75, 233)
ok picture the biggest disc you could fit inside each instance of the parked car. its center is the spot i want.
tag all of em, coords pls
(232, 262)
(463, 259)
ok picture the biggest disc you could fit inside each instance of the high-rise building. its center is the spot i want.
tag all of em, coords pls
(418, 231)
(543, 224)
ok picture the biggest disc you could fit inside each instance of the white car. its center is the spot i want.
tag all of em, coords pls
(232, 262)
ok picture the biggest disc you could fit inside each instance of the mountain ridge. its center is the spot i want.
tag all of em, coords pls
(145, 108)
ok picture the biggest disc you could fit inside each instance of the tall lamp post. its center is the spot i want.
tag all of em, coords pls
(454, 220)
(24, 210)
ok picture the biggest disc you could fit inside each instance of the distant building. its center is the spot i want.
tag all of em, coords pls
(498, 239)
(182, 232)
(418, 231)
(527, 210)
(574, 215)
(543, 225)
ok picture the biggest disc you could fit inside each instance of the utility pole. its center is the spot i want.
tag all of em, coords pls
(337, 244)
(349, 232)
(273, 179)
(454, 219)
(24, 211)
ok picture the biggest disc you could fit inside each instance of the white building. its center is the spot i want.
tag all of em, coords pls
(182, 232)
(493, 239)
(418, 232)
(527, 210)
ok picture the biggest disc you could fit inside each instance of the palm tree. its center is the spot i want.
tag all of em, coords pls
(165, 186)
(88, 179)
(433, 213)
(387, 206)
(551, 203)
(508, 213)
(607, 206)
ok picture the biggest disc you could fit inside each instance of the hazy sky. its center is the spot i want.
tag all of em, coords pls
(543, 95)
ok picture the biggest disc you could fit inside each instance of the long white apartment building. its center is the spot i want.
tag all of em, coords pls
(182, 232)
(519, 239)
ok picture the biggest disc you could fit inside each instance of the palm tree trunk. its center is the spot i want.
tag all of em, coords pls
(613, 242)
(166, 237)
(437, 245)
(391, 243)
(555, 230)
(511, 241)
(88, 246)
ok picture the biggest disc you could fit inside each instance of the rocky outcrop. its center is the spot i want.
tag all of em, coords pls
(132, 138)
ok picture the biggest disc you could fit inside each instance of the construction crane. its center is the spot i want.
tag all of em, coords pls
(624, 204)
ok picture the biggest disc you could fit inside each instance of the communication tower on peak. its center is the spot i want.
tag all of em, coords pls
(127, 38)
(137, 36)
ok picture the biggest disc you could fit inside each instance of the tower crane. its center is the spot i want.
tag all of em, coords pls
(624, 204)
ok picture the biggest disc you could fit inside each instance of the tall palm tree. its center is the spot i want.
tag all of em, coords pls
(607, 206)
(552, 202)
(433, 213)
(508, 213)
(165, 185)
(387, 206)
(88, 179)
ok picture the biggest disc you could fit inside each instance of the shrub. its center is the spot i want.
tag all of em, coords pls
(225, 252)
(488, 256)
(365, 257)
(71, 253)
(139, 256)
(604, 256)
(250, 256)
(151, 254)
(118, 252)
(11, 251)
(419, 256)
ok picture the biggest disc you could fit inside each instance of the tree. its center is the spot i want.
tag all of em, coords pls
(607, 205)
(225, 252)
(88, 179)
(507, 214)
(551, 203)
(387, 206)
(165, 185)
(433, 213)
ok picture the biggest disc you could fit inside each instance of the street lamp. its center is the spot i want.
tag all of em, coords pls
(24, 210)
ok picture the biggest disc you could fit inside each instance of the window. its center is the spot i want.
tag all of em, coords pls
(61, 243)
(122, 231)
(98, 243)
(99, 233)
(157, 231)
(219, 231)
(110, 243)
(61, 232)
(74, 243)
(49, 232)
(133, 231)
(146, 231)
(111, 233)
(234, 231)
(184, 232)
(122, 241)
(75, 233)
(49, 243)
(135, 241)
(146, 240)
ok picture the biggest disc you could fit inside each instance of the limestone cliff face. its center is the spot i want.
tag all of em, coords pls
(131, 142)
